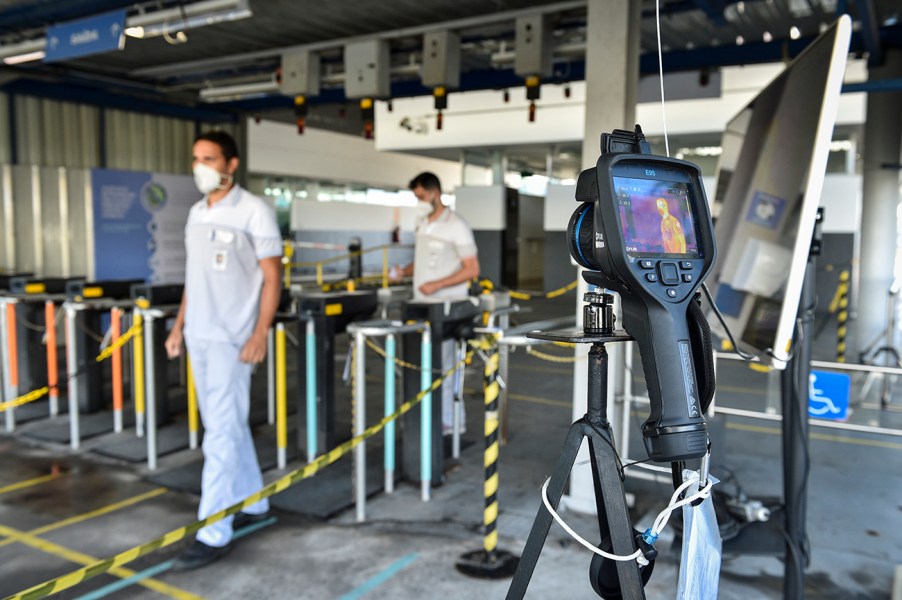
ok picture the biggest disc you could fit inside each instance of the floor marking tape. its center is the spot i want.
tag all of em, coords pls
(164, 566)
(85, 559)
(94, 513)
(379, 578)
(29, 482)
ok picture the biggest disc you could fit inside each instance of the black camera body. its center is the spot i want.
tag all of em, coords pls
(644, 230)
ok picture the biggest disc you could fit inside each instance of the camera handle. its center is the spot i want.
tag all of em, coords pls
(675, 429)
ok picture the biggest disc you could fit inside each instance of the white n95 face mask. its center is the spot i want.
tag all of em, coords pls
(208, 179)
(424, 209)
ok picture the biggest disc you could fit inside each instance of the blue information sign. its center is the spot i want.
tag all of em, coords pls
(828, 395)
(92, 35)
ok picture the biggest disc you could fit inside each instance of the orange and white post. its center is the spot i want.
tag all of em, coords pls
(115, 334)
(12, 361)
(52, 358)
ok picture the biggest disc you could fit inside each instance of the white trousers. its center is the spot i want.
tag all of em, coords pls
(231, 472)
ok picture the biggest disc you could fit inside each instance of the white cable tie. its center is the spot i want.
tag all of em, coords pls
(637, 555)
(659, 524)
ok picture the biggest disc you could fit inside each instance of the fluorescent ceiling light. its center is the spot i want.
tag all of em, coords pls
(239, 91)
(21, 50)
(24, 57)
(160, 22)
(188, 16)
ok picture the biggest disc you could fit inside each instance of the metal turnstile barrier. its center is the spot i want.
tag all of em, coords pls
(324, 315)
(390, 330)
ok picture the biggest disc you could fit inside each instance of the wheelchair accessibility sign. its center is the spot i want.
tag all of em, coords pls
(828, 395)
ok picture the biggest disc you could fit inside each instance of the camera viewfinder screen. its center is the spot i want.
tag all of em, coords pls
(655, 218)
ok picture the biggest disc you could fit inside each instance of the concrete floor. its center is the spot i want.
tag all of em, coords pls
(80, 506)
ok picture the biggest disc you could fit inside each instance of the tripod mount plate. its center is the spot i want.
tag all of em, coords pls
(576, 335)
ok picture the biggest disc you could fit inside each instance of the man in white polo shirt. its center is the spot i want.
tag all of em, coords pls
(444, 263)
(232, 290)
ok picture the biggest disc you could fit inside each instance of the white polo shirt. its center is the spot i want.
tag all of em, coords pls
(223, 280)
(440, 248)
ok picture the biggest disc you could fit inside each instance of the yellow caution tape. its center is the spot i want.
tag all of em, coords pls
(25, 399)
(552, 357)
(100, 567)
(123, 340)
(397, 361)
(41, 392)
(552, 294)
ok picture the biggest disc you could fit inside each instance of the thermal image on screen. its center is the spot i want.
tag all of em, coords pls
(655, 218)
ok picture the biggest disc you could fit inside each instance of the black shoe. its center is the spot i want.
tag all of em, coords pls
(244, 519)
(199, 555)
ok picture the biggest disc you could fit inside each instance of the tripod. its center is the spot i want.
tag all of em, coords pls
(613, 516)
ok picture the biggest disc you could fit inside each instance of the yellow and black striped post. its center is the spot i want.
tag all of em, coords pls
(490, 562)
(842, 316)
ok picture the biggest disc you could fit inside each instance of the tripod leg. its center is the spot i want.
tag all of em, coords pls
(613, 514)
(542, 522)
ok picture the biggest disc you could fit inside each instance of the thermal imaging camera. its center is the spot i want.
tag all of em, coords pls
(643, 229)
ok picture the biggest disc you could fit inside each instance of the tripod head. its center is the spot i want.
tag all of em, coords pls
(643, 229)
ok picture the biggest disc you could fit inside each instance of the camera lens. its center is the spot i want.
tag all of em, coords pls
(581, 236)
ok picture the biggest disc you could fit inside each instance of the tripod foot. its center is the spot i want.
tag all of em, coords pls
(480, 564)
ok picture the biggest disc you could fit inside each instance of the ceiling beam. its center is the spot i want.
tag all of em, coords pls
(870, 31)
(103, 98)
(713, 9)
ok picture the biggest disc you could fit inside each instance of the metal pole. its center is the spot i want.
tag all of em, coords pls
(794, 381)
(504, 323)
(458, 400)
(360, 425)
(426, 415)
(52, 359)
(281, 398)
(311, 389)
(71, 370)
(627, 400)
(389, 409)
(270, 377)
(889, 348)
(151, 391)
